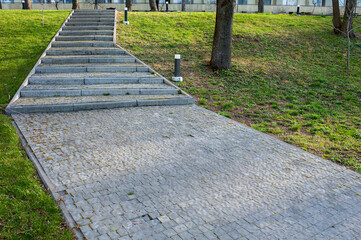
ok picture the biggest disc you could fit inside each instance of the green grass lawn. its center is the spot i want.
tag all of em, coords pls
(27, 211)
(288, 77)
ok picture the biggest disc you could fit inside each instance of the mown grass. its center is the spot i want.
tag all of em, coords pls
(27, 211)
(288, 77)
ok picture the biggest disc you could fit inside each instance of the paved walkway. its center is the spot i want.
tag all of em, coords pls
(182, 172)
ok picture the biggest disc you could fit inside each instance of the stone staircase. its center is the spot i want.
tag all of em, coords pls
(83, 69)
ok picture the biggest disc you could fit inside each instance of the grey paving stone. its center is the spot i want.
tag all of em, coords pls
(190, 165)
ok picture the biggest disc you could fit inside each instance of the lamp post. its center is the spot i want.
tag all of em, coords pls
(298, 10)
(126, 16)
(177, 77)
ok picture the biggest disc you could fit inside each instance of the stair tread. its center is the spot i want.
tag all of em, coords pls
(91, 65)
(98, 86)
(93, 75)
(88, 56)
(91, 99)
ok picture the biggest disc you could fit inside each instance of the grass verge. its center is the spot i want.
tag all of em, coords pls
(288, 77)
(27, 211)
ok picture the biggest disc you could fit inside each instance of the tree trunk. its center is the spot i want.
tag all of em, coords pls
(183, 5)
(28, 4)
(157, 3)
(128, 4)
(75, 4)
(336, 19)
(222, 40)
(153, 6)
(323, 3)
(348, 19)
(261, 6)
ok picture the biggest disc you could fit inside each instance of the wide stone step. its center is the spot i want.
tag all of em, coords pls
(41, 91)
(73, 28)
(92, 16)
(81, 68)
(75, 44)
(88, 59)
(84, 38)
(91, 20)
(89, 23)
(97, 11)
(76, 80)
(69, 104)
(84, 51)
(84, 33)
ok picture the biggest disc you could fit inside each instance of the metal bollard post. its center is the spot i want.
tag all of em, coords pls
(166, 6)
(126, 16)
(177, 77)
(298, 10)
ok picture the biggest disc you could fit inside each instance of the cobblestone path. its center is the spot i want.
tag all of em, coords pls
(183, 172)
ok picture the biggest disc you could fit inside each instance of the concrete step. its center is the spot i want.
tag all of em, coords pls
(92, 16)
(91, 20)
(84, 103)
(97, 11)
(78, 24)
(88, 59)
(84, 51)
(40, 91)
(37, 79)
(90, 67)
(76, 44)
(85, 33)
(84, 38)
(73, 28)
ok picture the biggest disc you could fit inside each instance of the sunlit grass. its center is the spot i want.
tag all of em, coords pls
(27, 211)
(288, 77)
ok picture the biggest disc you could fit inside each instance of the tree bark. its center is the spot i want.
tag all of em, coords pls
(323, 3)
(336, 17)
(153, 6)
(348, 18)
(183, 5)
(344, 26)
(128, 4)
(75, 4)
(28, 4)
(261, 6)
(222, 40)
(157, 3)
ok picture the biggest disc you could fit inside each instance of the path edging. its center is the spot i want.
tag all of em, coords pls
(48, 183)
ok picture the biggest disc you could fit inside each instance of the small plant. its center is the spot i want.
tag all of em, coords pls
(227, 106)
(202, 101)
(225, 114)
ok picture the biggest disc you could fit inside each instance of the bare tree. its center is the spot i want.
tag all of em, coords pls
(153, 6)
(222, 40)
(341, 27)
(183, 5)
(75, 4)
(28, 4)
(128, 4)
(260, 6)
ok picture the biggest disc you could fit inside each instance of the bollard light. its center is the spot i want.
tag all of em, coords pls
(177, 77)
(166, 6)
(298, 10)
(126, 16)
